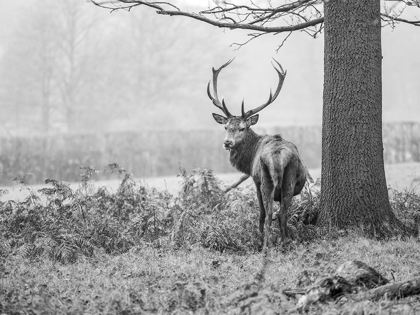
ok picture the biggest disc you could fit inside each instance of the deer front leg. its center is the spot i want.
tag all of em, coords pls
(237, 183)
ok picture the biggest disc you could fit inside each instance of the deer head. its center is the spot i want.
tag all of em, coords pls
(237, 127)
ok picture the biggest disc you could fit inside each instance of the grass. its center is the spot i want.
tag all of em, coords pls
(140, 251)
(153, 280)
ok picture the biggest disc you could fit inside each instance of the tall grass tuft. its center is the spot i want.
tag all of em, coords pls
(406, 204)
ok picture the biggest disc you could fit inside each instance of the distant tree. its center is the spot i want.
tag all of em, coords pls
(67, 67)
(354, 191)
(143, 63)
(74, 27)
(42, 64)
(27, 76)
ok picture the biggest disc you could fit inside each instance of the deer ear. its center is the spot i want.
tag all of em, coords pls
(252, 120)
(220, 119)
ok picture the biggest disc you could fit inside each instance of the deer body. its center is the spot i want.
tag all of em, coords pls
(273, 163)
(277, 171)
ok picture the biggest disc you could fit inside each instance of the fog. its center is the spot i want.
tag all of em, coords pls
(68, 67)
(71, 66)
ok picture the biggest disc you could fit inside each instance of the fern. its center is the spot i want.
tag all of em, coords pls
(3, 192)
(67, 224)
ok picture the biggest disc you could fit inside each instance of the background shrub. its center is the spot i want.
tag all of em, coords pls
(61, 155)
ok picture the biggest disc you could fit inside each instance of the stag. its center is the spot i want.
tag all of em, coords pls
(273, 163)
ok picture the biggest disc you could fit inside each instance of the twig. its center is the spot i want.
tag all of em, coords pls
(252, 35)
(282, 43)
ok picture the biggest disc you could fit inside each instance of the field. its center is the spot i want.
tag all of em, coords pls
(150, 280)
(398, 176)
(198, 252)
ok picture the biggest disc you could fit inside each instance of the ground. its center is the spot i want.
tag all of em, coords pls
(155, 277)
(153, 280)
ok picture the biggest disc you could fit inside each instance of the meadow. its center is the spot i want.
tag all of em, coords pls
(134, 249)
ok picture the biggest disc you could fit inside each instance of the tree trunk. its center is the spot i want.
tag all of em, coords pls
(353, 191)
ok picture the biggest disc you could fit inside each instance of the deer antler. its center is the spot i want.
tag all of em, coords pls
(215, 99)
(282, 75)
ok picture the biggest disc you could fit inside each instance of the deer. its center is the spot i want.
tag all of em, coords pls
(273, 163)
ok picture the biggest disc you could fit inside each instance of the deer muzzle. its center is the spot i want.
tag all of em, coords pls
(227, 144)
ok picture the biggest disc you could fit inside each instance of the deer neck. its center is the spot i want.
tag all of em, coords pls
(242, 157)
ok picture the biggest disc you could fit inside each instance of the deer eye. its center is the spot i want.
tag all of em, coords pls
(241, 129)
(225, 127)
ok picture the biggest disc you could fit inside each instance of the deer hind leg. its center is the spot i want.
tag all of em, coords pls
(287, 192)
(262, 210)
(268, 185)
(267, 192)
(282, 218)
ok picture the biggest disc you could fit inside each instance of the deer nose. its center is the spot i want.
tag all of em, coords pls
(227, 143)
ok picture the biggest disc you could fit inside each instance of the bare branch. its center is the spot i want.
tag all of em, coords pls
(268, 14)
(299, 15)
(393, 13)
(265, 29)
(233, 7)
(409, 3)
(398, 19)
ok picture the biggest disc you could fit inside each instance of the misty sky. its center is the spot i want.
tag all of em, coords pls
(187, 51)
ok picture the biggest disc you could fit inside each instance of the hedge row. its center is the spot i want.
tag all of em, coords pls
(159, 153)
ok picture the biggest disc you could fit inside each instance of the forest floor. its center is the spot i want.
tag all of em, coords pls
(153, 277)
(151, 280)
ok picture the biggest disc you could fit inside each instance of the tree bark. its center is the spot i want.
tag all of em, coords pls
(353, 190)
